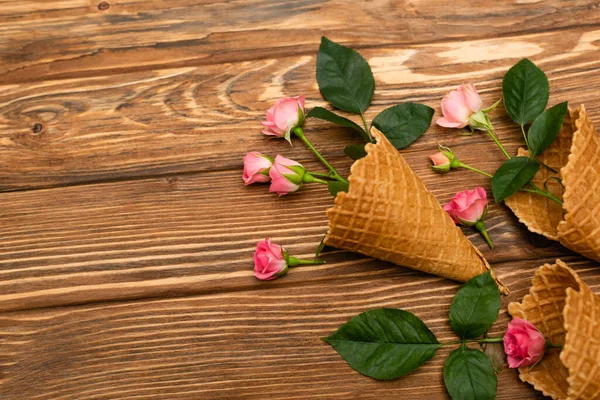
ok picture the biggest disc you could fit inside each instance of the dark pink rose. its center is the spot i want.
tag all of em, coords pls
(269, 260)
(468, 207)
(256, 168)
(524, 344)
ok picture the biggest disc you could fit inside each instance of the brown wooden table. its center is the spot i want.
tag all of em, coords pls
(126, 235)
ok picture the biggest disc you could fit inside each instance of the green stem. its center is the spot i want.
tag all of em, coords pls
(462, 165)
(293, 262)
(485, 340)
(321, 175)
(550, 345)
(362, 115)
(495, 139)
(480, 226)
(332, 171)
(546, 166)
(539, 191)
(524, 136)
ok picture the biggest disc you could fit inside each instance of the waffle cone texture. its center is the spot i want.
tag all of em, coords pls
(567, 312)
(576, 153)
(389, 214)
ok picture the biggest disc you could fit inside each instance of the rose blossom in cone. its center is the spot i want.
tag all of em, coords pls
(468, 207)
(269, 260)
(524, 344)
(286, 175)
(256, 168)
(285, 115)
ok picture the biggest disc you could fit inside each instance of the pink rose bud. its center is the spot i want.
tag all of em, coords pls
(468, 207)
(284, 116)
(287, 175)
(269, 260)
(444, 160)
(524, 344)
(462, 107)
(256, 168)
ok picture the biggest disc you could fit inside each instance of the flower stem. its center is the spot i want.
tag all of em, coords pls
(321, 175)
(541, 192)
(480, 226)
(463, 165)
(546, 166)
(332, 171)
(484, 340)
(524, 136)
(550, 345)
(293, 262)
(362, 115)
(495, 139)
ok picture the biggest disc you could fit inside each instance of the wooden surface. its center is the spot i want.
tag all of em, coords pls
(126, 235)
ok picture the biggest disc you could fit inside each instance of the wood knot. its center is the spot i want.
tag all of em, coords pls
(103, 6)
(172, 180)
(38, 128)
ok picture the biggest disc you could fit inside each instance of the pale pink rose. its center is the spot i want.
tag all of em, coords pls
(286, 175)
(439, 159)
(459, 105)
(285, 115)
(269, 260)
(524, 344)
(468, 207)
(256, 168)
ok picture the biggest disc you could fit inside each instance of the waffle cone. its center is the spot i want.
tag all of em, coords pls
(576, 153)
(389, 214)
(565, 310)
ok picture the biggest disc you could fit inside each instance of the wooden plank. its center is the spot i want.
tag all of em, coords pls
(248, 345)
(73, 38)
(196, 234)
(201, 118)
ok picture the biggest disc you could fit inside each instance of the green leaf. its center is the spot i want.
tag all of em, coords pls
(475, 306)
(355, 151)
(545, 128)
(512, 176)
(525, 91)
(345, 78)
(337, 186)
(404, 123)
(324, 114)
(384, 343)
(469, 375)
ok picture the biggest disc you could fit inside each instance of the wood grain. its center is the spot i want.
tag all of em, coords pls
(205, 118)
(74, 38)
(196, 234)
(248, 344)
(126, 234)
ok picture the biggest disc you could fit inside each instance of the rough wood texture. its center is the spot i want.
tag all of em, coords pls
(126, 234)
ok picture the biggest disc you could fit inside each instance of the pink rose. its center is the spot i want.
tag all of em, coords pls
(286, 175)
(524, 344)
(256, 168)
(284, 116)
(468, 207)
(459, 105)
(269, 260)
